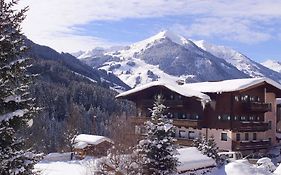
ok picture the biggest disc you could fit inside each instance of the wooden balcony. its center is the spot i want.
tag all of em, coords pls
(243, 126)
(258, 106)
(168, 103)
(177, 122)
(188, 123)
(184, 142)
(250, 145)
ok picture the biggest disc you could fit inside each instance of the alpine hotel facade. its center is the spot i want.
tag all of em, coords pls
(241, 114)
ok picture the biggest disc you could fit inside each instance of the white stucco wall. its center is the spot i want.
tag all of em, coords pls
(271, 116)
(223, 145)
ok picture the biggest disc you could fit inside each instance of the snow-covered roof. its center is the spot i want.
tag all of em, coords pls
(83, 140)
(180, 89)
(230, 85)
(191, 159)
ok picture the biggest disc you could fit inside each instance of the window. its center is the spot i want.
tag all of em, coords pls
(235, 117)
(224, 136)
(183, 116)
(224, 117)
(270, 124)
(191, 135)
(254, 136)
(252, 98)
(238, 137)
(236, 98)
(278, 113)
(243, 118)
(183, 134)
(251, 118)
(246, 136)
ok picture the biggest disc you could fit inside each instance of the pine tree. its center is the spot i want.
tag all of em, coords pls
(208, 147)
(157, 150)
(16, 106)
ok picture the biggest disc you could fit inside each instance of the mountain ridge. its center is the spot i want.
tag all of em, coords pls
(170, 57)
(273, 64)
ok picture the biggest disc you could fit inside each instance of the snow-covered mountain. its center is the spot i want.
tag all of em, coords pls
(273, 64)
(170, 57)
(167, 57)
(240, 61)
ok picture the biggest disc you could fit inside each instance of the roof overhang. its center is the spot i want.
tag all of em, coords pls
(180, 89)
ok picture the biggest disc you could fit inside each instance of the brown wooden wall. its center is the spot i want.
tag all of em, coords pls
(178, 104)
(224, 112)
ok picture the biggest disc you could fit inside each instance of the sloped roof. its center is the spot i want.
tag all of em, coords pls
(180, 89)
(83, 140)
(230, 85)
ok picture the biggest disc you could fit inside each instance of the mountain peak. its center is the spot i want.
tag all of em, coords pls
(140, 46)
(178, 39)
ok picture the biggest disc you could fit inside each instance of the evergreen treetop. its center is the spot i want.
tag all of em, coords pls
(157, 150)
(16, 105)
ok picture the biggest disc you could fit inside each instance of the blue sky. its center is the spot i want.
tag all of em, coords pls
(251, 27)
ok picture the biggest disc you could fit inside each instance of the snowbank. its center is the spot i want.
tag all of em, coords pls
(278, 170)
(240, 168)
(192, 159)
(57, 157)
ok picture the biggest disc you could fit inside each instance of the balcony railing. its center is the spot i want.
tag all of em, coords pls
(184, 141)
(244, 126)
(187, 123)
(176, 122)
(250, 145)
(168, 103)
(258, 106)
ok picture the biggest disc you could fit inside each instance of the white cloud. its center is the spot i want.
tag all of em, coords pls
(48, 19)
(226, 28)
(71, 43)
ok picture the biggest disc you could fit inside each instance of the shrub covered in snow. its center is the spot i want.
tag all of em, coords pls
(209, 147)
(266, 164)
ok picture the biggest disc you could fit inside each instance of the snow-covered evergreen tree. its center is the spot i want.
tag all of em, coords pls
(16, 106)
(157, 150)
(208, 147)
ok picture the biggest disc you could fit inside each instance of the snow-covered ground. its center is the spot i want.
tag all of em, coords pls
(61, 168)
(60, 164)
(82, 167)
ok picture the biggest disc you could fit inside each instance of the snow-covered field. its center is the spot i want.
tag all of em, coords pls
(81, 167)
(60, 164)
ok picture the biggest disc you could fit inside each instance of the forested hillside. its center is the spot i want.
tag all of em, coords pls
(70, 103)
